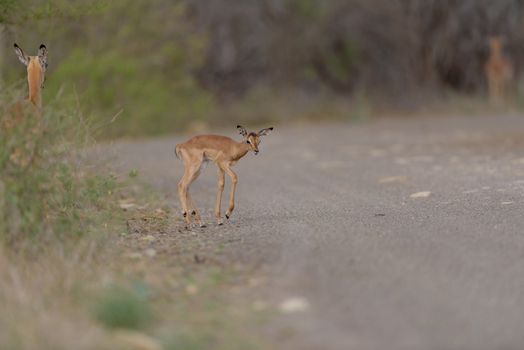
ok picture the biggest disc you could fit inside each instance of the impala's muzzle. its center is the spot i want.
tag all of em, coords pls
(256, 151)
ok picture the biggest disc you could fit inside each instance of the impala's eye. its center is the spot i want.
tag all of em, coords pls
(249, 142)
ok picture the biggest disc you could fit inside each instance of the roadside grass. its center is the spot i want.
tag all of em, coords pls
(90, 260)
(99, 296)
(46, 195)
(54, 217)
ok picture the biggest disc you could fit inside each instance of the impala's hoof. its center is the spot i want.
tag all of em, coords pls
(227, 216)
(193, 213)
(184, 214)
(220, 223)
(203, 226)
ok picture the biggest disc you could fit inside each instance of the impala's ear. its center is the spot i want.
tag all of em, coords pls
(242, 130)
(265, 131)
(21, 55)
(42, 55)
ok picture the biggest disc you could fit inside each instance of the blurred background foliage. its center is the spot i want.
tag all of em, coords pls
(149, 67)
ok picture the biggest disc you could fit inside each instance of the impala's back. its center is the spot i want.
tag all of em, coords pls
(208, 147)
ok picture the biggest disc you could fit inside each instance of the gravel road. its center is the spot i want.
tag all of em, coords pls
(399, 233)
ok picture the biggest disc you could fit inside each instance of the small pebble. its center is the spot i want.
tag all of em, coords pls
(294, 305)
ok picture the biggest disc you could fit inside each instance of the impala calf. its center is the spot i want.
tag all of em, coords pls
(36, 68)
(222, 150)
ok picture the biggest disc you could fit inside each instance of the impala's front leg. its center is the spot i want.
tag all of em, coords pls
(234, 181)
(221, 183)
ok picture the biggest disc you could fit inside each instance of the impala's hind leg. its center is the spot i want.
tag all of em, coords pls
(192, 169)
(182, 194)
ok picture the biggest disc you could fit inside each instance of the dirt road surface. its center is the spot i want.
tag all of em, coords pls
(393, 234)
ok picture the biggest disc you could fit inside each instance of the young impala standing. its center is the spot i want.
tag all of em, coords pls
(36, 67)
(222, 150)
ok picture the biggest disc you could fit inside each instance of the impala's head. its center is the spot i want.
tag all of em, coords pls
(36, 67)
(253, 138)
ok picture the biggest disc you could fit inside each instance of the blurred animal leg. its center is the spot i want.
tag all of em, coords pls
(234, 181)
(221, 183)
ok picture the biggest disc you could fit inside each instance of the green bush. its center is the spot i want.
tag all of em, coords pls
(112, 83)
(188, 342)
(44, 192)
(123, 308)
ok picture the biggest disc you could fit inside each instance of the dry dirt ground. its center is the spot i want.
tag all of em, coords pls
(390, 234)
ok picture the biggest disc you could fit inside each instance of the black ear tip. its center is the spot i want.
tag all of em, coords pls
(42, 46)
(239, 126)
(16, 45)
(271, 128)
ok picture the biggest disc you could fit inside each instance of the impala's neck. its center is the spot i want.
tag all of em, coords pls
(35, 77)
(496, 54)
(496, 49)
(241, 149)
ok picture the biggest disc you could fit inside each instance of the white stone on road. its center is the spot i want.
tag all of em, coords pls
(294, 305)
(423, 194)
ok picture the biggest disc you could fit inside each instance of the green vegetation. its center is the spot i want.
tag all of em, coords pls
(118, 84)
(44, 193)
(18, 11)
(124, 308)
(131, 75)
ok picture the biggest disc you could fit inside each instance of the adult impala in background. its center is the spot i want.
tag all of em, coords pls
(499, 71)
(36, 68)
